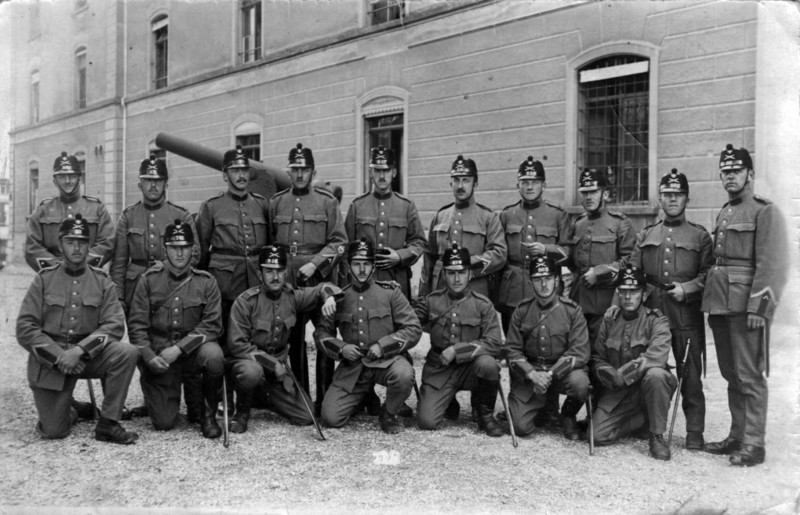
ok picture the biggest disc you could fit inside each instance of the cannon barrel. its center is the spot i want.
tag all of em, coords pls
(264, 180)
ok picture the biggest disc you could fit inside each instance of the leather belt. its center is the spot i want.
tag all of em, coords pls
(307, 248)
(543, 363)
(173, 336)
(720, 261)
(272, 351)
(69, 339)
(227, 252)
(142, 262)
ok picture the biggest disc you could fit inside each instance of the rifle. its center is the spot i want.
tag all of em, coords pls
(678, 395)
(590, 411)
(508, 415)
(225, 431)
(301, 392)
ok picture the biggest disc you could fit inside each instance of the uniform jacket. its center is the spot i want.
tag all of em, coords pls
(619, 341)
(310, 224)
(472, 226)
(388, 221)
(261, 322)
(530, 222)
(60, 309)
(675, 251)
(43, 224)
(160, 315)
(376, 312)
(139, 242)
(467, 322)
(751, 258)
(600, 240)
(231, 230)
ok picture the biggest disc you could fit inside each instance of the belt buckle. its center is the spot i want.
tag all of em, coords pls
(292, 250)
(175, 336)
(718, 261)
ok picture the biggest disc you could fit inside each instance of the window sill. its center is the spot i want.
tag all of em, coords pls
(649, 210)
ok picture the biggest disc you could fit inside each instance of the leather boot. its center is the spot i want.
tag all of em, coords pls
(747, 456)
(193, 396)
(727, 446)
(548, 416)
(84, 410)
(659, 448)
(453, 410)
(474, 401)
(242, 417)
(208, 423)
(390, 424)
(486, 396)
(111, 431)
(694, 441)
(569, 426)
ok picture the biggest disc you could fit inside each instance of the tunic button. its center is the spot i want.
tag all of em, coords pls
(453, 325)
(383, 212)
(724, 222)
(455, 231)
(74, 305)
(458, 222)
(383, 203)
(381, 224)
(666, 250)
(72, 318)
(177, 298)
(297, 221)
(297, 209)
(69, 215)
(666, 273)
(74, 293)
(380, 234)
(297, 200)
(360, 309)
(295, 231)
(670, 229)
(152, 215)
(176, 310)
(174, 322)
(454, 314)
(360, 297)
(152, 235)
(152, 225)
(666, 261)
(71, 331)
(74, 282)
(69, 207)
(361, 332)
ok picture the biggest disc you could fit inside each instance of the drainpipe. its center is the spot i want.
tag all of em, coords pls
(124, 106)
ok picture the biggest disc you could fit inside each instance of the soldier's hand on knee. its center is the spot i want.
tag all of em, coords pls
(350, 352)
(755, 321)
(375, 352)
(69, 360)
(447, 356)
(170, 354)
(157, 365)
(329, 308)
(540, 380)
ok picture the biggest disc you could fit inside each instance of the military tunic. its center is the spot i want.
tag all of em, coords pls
(261, 323)
(139, 240)
(372, 313)
(530, 222)
(748, 276)
(624, 408)
(388, 221)
(61, 308)
(600, 240)
(538, 337)
(472, 226)
(679, 251)
(468, 323)
(165, 309)
(41, 242)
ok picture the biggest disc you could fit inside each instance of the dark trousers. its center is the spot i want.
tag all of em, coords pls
(524, 403)
(693, 401)
(162, 392)
(249, 376)
(741, 362)
(298, 358)
(114, 365)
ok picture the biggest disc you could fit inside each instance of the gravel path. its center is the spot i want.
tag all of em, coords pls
(277, 468)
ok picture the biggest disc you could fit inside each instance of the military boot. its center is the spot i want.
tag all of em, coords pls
(548, 416)
(108, 430)
(474, 401)
(242, 416)
(453, 410)
(659, 448)
(193, 396)
(487, 396)
(390, 424)
(208, 423)
(569, 426)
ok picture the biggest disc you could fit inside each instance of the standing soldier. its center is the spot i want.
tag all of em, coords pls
(629, 363)
(548, 350)
(308, 222)
(232, 227)
(465, 345)
(470, 225)
(377, 325)
(261, 321)
(601, 239)
(675, 256)
(140, 230)
(175, 323)
(742, 290)
(71, 323)
(42, 248)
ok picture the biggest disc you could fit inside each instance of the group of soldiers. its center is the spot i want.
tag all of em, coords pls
(224, 299)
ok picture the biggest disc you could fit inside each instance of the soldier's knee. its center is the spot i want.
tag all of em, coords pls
(247, 375)
(331, 416)
(657, 378)
(487, 368)
(427, 420)
(403, 376)
(163, 425)
(127, 353)
(522, 428)
(301, 420)
(54, 431)
(578, 385)
(213, 358)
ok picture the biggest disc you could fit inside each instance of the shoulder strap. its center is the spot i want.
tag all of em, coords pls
(159, 305)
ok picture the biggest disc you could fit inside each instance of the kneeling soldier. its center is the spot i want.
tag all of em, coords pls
(629, 361)
(378, 325)
(548, 350)
(71, 323)
(465, 344)
(262, 319)
(175, 322)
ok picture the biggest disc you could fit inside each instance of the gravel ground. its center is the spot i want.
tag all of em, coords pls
(278, 468)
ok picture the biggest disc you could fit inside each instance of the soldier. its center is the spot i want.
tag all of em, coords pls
(42, 247)
(601, 238)
(465, 345)
(175, 323)
(629, 363)
(742, 290)
(261, 321)
(377, 325)
(675, 256)
(232, 227)
(71, 323)
(547, 351)
(470, 225)
(140, 230)
(308, 222)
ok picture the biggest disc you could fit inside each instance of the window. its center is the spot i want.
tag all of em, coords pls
(33, 185)
(35, 97)
(81, 157)
(80, 78)
(382, 11)
(160, 28)
(385, 131)
(613, 124)
(251, 145)
(251, 30)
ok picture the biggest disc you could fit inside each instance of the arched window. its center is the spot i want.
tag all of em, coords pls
(383, 122)
(80, 77)
(33, 185)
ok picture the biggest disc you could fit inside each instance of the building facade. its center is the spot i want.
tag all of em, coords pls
(635, 88)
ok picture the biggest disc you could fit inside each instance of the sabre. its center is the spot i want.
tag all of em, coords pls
(508, 415)
(678, 395)
(92, 398)
(591, 422)
(305, 402)
(225, 430)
